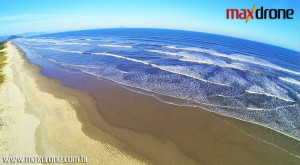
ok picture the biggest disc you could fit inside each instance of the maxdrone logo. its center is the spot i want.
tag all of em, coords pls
(260, 13)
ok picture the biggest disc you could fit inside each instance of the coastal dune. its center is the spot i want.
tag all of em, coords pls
(110, 124)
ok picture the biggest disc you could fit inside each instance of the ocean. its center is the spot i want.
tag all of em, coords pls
(243, 79)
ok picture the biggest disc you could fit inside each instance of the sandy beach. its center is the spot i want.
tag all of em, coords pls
(109, 124)
(35, 122)
(17, 128)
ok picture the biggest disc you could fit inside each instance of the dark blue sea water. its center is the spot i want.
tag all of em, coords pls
(243, 79)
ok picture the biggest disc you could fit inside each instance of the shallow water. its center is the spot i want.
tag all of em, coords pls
(238, 78)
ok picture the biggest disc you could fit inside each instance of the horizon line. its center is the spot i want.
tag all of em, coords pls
(120, 27)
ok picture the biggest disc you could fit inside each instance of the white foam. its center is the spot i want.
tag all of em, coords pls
(71, 39)
(122, 71)
(82, 66)
(67, 51)
(179, 71)
(237, 57)
(271, 95)
(159, 67)
(170, 70)
(202, 60)
(274, 93)
(114, 46)
(163, 52)
(186, 75)
(57, 42)
(289, 80)
(117, 56)
(175, 71)
(72, 43)
(220, 64)
(50, 59)
(122, 57)
(44, 41)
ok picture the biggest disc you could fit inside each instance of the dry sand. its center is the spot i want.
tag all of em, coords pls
(17, 128)
(113, 125)
(34, 122)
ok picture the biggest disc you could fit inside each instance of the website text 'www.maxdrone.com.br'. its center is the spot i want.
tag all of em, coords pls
(44, 159)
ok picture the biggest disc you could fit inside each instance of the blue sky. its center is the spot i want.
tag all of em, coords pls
(19, 16)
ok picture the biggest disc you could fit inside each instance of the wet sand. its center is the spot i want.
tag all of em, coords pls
(111, 125)
(54, 127)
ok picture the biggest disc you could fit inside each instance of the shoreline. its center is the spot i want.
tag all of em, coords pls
(58, 132)
(126, 126)
(225, 115)
(221, 115)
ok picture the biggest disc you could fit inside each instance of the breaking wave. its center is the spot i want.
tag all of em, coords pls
(215, 75)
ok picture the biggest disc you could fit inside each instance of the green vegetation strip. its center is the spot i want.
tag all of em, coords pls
(2, 61)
